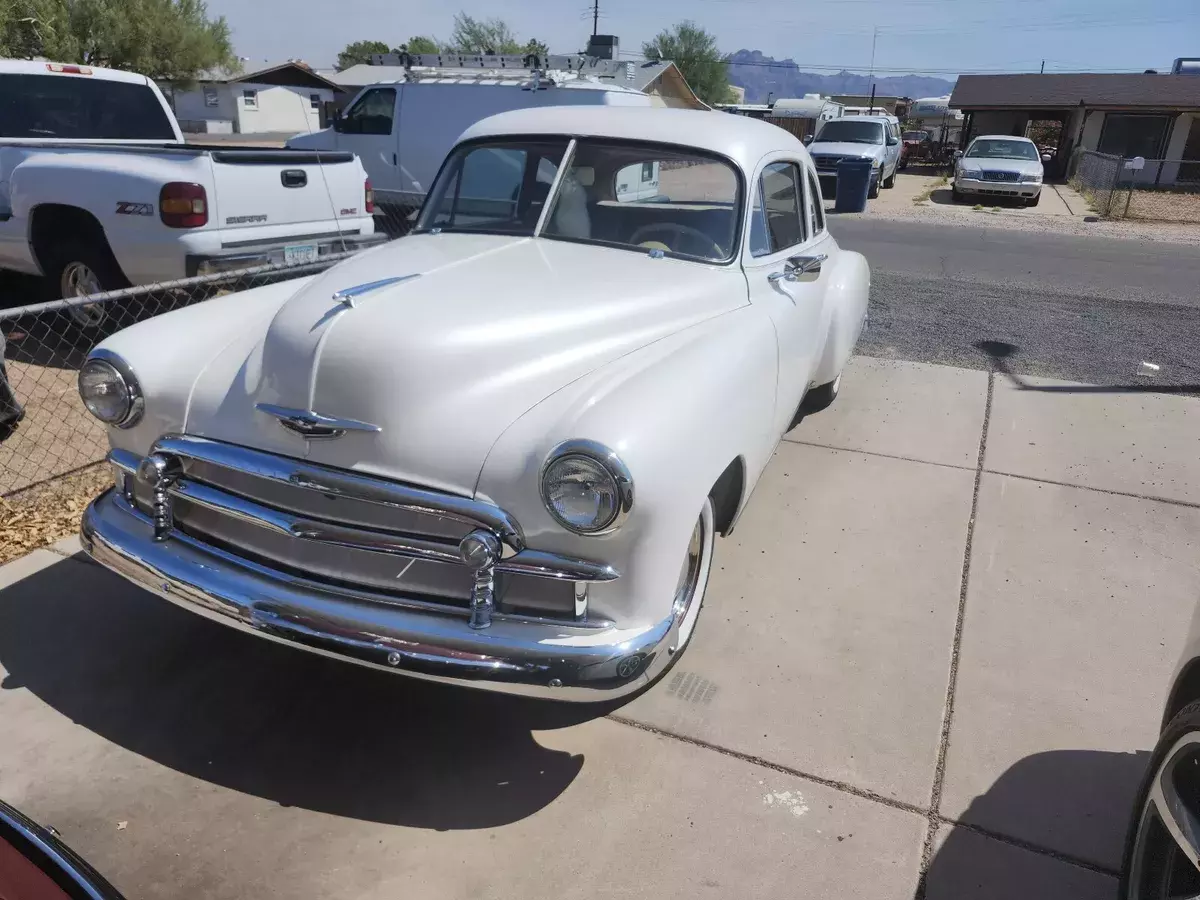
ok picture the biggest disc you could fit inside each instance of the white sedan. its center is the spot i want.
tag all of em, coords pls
(495, 452)
(999, 166)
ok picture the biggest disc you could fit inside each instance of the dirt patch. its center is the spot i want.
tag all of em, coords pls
(49, 512)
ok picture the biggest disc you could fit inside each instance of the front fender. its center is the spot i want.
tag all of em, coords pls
(167, 366)
(847, 298)
(677, 412)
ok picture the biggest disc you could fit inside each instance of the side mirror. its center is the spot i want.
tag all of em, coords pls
(35, 863)
(958, 154)
(892, 142)
(338, 123)
(808, 139)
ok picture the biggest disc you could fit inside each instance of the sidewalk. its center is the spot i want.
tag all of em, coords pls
(935, 648)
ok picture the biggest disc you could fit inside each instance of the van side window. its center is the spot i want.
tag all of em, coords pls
(372, 114)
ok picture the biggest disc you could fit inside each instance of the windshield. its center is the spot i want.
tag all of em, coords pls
(999, 149)
(620, 194)
(852, 132)
(916, 135)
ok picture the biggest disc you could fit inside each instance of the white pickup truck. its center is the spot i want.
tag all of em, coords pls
(98, 189)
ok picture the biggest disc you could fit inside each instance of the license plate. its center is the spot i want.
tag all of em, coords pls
(297, 254)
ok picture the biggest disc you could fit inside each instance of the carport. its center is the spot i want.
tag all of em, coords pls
(1149, 115)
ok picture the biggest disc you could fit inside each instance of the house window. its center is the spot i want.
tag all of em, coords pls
(250, 99)
(1133, 135)
(210, 96)
(314, 100)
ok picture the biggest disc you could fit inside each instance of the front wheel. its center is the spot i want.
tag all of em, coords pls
(1162, 847)
(890, 182)
(873, 190)
(1033, 201)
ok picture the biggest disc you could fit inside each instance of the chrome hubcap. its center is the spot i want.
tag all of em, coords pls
(79, 281)
(1166, 856)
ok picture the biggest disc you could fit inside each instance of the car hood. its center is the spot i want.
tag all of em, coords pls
(817, 148)
(480, 329)
(1021, 166)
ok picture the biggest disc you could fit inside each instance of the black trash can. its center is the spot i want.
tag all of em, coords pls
(853, 185)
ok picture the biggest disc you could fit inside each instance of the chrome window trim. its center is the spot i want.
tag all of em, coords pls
(137, 401)
(612, 464)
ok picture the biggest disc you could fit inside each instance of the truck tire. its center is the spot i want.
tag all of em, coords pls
(890, 182)
(76, 268)
(873, 190)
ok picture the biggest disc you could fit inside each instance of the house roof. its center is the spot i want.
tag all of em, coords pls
(1084, 88)
(286, 72)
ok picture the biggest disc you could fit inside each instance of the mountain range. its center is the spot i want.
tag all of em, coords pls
(763, 75)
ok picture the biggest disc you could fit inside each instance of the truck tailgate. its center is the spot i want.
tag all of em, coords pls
(282, 187)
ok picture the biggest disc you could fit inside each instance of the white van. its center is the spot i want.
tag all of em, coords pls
(402, 129)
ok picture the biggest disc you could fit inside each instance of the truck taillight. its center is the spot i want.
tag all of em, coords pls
(183, 205)
(68, 70)
(368, 197)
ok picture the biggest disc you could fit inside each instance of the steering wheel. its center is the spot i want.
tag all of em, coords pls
(686, 231)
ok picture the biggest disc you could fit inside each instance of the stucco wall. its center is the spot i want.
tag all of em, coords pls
(278, 108)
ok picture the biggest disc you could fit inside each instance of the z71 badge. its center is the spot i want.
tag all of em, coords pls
(125, 208)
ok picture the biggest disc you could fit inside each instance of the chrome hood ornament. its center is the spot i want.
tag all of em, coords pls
(313, 425)
(348, 295)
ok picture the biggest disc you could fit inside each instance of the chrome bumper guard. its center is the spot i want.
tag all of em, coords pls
(586, 660)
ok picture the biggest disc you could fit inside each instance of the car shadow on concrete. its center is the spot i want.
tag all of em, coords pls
(1074, 803)
(271, 721)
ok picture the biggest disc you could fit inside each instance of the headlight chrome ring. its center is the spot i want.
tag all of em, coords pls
(106, 363)
(602, 460)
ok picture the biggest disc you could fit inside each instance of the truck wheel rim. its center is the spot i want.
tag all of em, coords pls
(78, 280)
(693, 574)
(1165, 864)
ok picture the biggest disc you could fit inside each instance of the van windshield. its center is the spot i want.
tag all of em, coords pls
(77, 107)
(843, 131)
(622, 194)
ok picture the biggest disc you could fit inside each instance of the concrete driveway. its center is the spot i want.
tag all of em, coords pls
(930, 661)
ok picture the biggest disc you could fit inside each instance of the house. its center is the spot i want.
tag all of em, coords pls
(1153, 116)
(800, 116)
(659, 79)
(284, 97)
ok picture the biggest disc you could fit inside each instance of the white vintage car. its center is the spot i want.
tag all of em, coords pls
(495, 452)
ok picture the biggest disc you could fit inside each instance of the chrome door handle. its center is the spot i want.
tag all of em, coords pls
(798, 265)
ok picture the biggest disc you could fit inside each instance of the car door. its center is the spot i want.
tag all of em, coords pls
(895, 146)
(368, 129)
(783, 261)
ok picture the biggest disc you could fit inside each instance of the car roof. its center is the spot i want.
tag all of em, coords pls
(999, 137)
(741, 139)
(43, 67)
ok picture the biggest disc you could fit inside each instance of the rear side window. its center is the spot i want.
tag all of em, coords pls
(80, 107)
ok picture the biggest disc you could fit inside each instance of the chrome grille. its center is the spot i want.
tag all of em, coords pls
(397, 542)
(826, 162)
(994, 175)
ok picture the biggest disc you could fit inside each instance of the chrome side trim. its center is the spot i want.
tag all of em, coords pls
(526, 562)
(312, 424)
(555, 660)
(339, 482)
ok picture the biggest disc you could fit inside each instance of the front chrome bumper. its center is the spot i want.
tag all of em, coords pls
(998, 188)
(531, 657)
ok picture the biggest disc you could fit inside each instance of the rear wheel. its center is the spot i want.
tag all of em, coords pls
(77, 269)
(1162, 848)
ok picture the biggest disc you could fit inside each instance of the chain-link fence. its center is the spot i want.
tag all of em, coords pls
(1165, 190)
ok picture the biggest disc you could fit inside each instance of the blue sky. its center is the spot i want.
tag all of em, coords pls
(931, 36)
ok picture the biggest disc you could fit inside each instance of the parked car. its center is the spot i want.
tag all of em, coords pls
(876, 138)
(915, 146)
(1000, 166)
(35, 864)
(1162, 846)
(98, 190)
(402, 130)
(495, 452)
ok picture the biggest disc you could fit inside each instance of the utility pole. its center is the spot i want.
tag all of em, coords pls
(874, 38)
(595, 17)
(1043, 72)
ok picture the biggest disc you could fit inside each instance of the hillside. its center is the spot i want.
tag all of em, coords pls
(787, 80)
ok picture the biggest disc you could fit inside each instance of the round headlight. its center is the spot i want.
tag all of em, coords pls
(586, 487)
(109, 390)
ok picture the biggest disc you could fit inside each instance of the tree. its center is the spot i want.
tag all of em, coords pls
(473, 35)
(534, 47)
(420, 44)
(359, 53)
(695, 52)
(167, 40)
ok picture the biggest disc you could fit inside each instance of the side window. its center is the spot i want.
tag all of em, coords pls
(816, 207)
(372, 114)
(778, 219)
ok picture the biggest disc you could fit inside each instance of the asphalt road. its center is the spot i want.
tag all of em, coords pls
(1082, 309)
